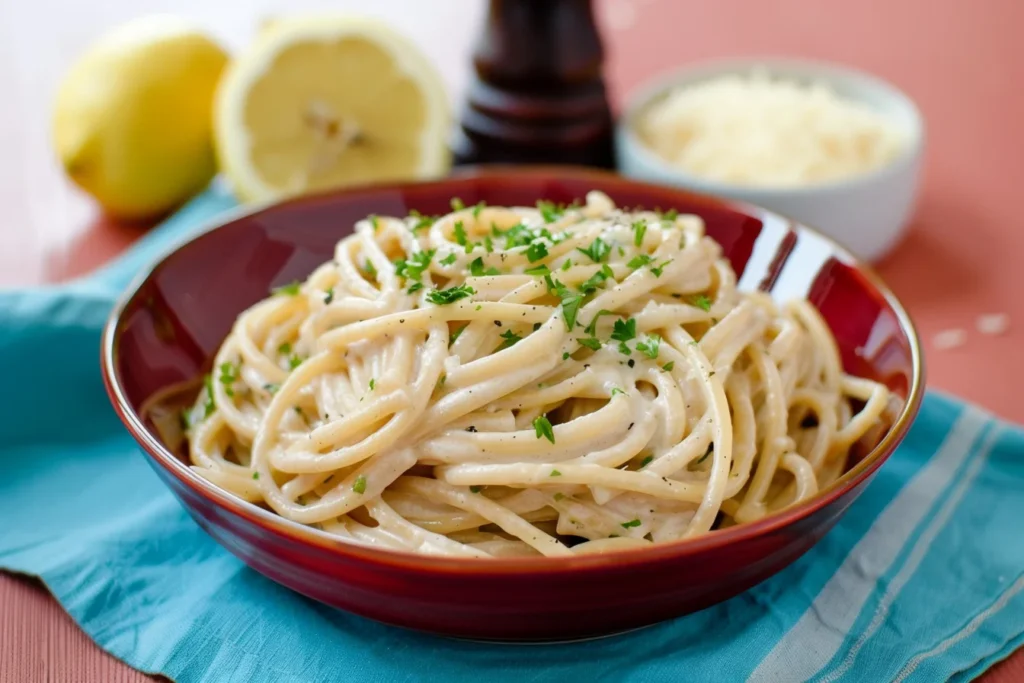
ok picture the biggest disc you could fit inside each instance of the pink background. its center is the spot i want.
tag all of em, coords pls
(962, 62)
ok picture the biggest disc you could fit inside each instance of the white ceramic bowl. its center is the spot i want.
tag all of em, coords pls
(867, 213)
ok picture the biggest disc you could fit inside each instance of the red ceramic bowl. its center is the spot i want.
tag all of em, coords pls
(169, 324)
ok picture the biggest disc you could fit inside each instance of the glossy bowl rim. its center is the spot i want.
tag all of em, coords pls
(657, 86)
(281, 527)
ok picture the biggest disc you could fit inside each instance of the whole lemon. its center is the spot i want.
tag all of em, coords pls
(133, 117)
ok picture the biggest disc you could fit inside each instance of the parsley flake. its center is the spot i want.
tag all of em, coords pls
(359, 485)
(255, 475)
(701, 302)
(329, 296)
(457, 204)
(448, 260)
(709, 451)
(650, 347)
(370, 270)
(460, 235)
(538, 270)
(555, 473)
(597, 251)
(566, 265)
(536, 251)
(616, 390)
(290, 289)
(442, 297)
(228, 376)
(478, 208)
(630, 523)
(476, 268)
(373, 384)
(476, 489)
(624, 330)
(639, 261)
(646, 461)
(590, 342)
(456, 333)
(548, 211)
(542, 427)
(660, 267)
(592, 327)
(667, 367)
(639, 228)
(209, 405)
(510, 338)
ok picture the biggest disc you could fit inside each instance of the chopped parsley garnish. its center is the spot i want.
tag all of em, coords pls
(701, 302)
(456, 333)
(209, 405)
(373, 384)
(559, 495)
(555, 473)
(478, 208)
(476, 489)
(488, 244)
(565, 355)
(625, 350)
(566, 265)
(460, 236)
(359, 485)
(597, 279)
(294, 361)
(549, 212)
(517, 236)
(709, 451)
(542, 426)
(630, 523)
(412, 268)
(272, 388)
(667, 367)
(370, 270)
(442, 297)
(590, 342)
(228, 376)
(639, 229)
(448, 260)
(536, 251)
(285, 348)
(329, 296)
(374, 222)
(421, 220)
(510, 338)
(650, 347)
(457, 204)
(255, 475)
(290, 289)
(597, 251)
(660, 267)
(592, 327)
(616, 390)
(670, 215)
(624, 330)
(414, 287)
(570, 306)
(476, 268)
(538, 270)
(646, 461)
(639, 261)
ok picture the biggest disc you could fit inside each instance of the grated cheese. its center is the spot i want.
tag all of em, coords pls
(761, 131)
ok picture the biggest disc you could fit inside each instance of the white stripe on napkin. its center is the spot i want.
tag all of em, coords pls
(920, 549)
(971, 627)
(822, 629)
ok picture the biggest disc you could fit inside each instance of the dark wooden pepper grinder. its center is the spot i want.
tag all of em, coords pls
(538, 95)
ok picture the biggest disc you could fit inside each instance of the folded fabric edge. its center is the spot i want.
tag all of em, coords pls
(55, 595)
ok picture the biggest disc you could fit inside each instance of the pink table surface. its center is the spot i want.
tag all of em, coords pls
(962, 62)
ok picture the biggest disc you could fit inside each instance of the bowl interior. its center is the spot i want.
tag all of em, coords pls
(171, 326)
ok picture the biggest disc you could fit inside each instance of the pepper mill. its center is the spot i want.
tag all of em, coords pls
(538, 95)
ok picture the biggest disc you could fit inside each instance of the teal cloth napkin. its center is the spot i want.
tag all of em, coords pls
(922, 580)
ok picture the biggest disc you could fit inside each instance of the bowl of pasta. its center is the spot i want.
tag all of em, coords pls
(518, 404)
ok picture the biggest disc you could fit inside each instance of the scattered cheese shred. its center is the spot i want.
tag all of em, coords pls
(949, 339)
(993, 324)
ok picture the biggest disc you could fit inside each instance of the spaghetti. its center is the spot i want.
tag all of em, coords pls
(515, 381)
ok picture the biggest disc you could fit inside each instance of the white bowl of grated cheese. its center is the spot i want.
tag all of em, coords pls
(831, 147)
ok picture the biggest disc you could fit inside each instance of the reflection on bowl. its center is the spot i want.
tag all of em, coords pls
(866, 212)
(171, 322)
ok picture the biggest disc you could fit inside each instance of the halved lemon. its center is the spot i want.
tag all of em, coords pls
(329, 101)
